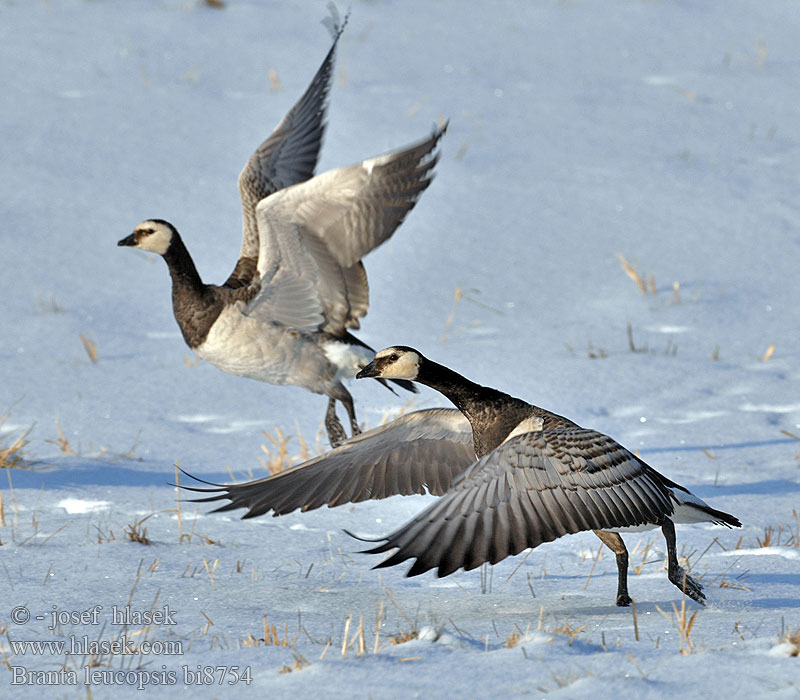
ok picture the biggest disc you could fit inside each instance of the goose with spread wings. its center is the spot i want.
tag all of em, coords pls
(539, 476)
(285, 313)
(511, 476)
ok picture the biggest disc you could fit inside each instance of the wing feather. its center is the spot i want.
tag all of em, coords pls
(419, 452)
(320, 229)
(532, 489)
(289, 156)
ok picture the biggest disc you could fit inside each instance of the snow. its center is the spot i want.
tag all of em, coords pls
(666, 132)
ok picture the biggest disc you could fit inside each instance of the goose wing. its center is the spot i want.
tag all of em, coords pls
(534, 488)
(287, 157)
(314, 234)
(419, 452)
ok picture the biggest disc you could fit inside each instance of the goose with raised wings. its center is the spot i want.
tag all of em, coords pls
(285, 313)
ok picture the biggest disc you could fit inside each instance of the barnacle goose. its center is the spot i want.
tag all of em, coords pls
(538, 476)
(284, 314)
(511, 476)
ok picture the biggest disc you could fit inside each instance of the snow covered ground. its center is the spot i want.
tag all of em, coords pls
(664, 131)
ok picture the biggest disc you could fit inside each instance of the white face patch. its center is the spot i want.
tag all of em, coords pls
(153, 236)
(395, 363)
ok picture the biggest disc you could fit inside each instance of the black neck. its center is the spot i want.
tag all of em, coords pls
(491, 413)
(181, 266)
(467, 396)
(460, 390)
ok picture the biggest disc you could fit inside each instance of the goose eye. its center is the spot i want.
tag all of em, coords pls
(393, 357)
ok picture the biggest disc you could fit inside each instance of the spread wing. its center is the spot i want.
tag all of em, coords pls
(314, 234)
(419, 452)
(287, 157)
(534, 488)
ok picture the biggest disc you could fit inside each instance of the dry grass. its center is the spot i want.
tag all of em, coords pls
(49, 306)
(684, 623)
(300, 662)
(271, 637)
(596, 353)
(768, 353)
(11, 452)
(451, 316)
(358, 637)
(794, 437)
(137, 533)
(592, 352)
(768, 540)
(458, 296)
(646, 285)
(514, 637)
(790, 636)
(637, 568)
(211, 569)
(282, 455)
(403, 637)
(62, 443)
(596, 559)
(781, 535)
(191, 535)
(566, 631)
(274, 81)
(91, 348)
(278, 456)
(631, 345)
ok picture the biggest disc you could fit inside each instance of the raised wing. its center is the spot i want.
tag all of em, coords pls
(532, 489)
(318, 230)
(287, 157)
(419, 452)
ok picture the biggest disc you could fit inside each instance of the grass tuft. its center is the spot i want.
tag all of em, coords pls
(137, 533)
(684, 624)
(300, 662)
(515, 636)
(567, 631)
(271, 637)
(12, 455)
(792, 637)
(643, 284)
(62, 443)
(278, 457)
(403, 637)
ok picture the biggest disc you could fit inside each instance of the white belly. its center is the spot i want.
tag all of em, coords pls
(242, 345)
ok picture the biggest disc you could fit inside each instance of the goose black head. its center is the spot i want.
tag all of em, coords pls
(396, 362)
(154, 235)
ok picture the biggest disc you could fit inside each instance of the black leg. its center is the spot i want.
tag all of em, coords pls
(614, 542)
(351, 414)
(336, 434)
(675, 572)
